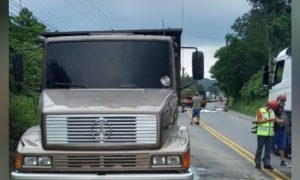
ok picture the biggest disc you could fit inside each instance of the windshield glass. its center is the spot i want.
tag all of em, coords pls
(107, 64)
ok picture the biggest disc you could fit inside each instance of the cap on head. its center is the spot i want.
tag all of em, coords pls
(272, 104)
(197, 94)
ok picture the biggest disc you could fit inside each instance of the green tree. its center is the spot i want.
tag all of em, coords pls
(258, 36)
(24, 33)
(189, 90)
(199, 88)
(276, 17)
(253, 87)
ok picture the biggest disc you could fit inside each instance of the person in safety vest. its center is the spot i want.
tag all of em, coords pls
(265, 131)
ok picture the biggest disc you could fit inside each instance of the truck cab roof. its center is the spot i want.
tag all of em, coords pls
(107, 37)
(175, 33)
(284, 53)
(166, 32)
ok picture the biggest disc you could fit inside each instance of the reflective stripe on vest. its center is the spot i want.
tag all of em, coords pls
(267, 128)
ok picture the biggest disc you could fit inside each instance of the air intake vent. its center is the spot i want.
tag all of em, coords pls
(101, 161)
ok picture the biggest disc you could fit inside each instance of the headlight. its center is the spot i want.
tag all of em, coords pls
(37, 161)
(166, 160)
(44, 161)
(159, 160)
(173, 160)
(30, 161)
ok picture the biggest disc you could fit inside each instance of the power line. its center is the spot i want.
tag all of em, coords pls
(52, 15)
(17, 24)
(20, 1)
(45, 17)
(12, 7)
(83, 5)
(15, 6)
(99, 10)
(77, 10)
(48, 25)
(53, 23)
(18, 6)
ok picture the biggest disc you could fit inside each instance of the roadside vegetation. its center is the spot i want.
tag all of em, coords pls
(247, 107)
(24, 35)
(258, 37)
(253, 96)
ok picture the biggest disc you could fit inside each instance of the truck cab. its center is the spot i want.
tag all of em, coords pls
(108, 109)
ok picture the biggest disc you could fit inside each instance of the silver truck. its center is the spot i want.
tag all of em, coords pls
(108, 108)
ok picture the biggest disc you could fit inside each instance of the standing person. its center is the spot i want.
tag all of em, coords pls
(197, 101)
(280, 129)
(265, 131)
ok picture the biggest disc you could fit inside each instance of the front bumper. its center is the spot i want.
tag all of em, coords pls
(187, 175)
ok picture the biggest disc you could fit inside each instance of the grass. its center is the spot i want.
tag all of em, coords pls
(249, 107)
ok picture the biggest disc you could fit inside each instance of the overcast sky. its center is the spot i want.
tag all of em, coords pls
(205, 22)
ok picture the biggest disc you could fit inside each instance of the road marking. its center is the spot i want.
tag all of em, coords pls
(276, 174)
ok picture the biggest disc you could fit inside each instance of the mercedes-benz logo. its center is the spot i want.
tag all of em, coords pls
(101, 129)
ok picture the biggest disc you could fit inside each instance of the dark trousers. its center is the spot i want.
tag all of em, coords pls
(263, 141)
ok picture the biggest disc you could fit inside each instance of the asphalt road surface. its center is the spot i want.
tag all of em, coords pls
(222, 147)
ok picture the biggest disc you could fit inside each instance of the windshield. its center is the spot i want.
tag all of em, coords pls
(107, 64)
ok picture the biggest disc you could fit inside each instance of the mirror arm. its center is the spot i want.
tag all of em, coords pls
(190, 84)
(186, 47)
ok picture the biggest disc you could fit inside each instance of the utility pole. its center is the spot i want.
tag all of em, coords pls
(163, 26)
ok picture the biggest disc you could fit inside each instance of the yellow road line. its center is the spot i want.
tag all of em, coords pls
(251, 160)
(245, 151)
(276, 174)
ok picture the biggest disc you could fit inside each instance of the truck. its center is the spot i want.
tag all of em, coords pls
(281, 84)
(108, 108)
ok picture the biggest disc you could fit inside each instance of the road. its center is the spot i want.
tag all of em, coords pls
(222, 147)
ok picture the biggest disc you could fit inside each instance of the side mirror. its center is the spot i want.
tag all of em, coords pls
(18, 68)
(198, 65)
(266, 75)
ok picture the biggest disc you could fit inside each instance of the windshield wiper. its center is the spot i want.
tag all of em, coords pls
(68, 84)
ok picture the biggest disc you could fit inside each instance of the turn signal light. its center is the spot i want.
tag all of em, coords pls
(18, 161)
(186, 160)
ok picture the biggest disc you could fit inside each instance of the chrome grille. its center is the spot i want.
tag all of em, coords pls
(166, 118)
(101, 161)
(101, 129)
